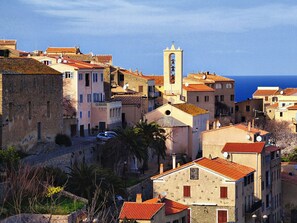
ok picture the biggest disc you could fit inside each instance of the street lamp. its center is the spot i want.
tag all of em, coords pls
(254, 216)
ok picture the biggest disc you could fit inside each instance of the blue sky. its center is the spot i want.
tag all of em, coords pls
(229, 37)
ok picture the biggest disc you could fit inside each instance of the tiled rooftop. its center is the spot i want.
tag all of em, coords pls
(226, 168)
(59, 50)
(294, 107)
(159, 80)
(264, 92)
(256, 147)
(140, 211)
(253, 130)
(190, 109)
(289, 91)
(171, 207)
(24, 66)
(213, 77)
(197, 87)
(7, 41)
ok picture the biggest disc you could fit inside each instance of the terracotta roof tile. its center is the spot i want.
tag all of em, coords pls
(229, 169)
(137, 74)
(159, 80)
(80, 64)
(289, 91)
(171, 207)
(256, 147)
(129, 99)
(253, 130)
(294, 107)
(212, 77)
(140, 211)
(190, 109)
(65, 50)
(275, 105)
(197, 87)
(104, 58)
(24, 66)
(7, 41)
(264, 92)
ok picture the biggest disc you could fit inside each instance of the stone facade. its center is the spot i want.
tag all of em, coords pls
(30, 103)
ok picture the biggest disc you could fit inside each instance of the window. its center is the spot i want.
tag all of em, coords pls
(30, 110)
(197, 98)
(223, 192)
(101, 75)
(175, 221)
(247, 108)
(87, 79)
(206, 98)
(46, 62)
(266, 98)
(216, 98)
(252, 177)
(183, 220)
(48, 109)
(10, 112)
(140, 88)
(80, 114)
(89, 98)
(187, 191)
(232, 97)
(68, 74)
(222, 98)
(81, 98)
(281, 114)
(245, 181)
(95, 97)
(236, 108)
(80, 76)
(228, 85)
(95, 77)
(218, 86)
(89, 114)
(267, 201)
(194, 173)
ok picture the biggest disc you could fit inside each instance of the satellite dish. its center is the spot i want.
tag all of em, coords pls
(163, 194)
(248, 137)
(187, 84)
(59, 60)
(281, 92)
(225, 154)
(259, 138)
(204, 76)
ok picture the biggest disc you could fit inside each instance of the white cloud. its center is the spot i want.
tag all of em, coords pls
(105, 17)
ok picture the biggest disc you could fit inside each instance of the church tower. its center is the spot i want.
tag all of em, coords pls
(173, 74)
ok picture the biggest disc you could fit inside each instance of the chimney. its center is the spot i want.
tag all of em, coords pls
(207, 124)
(249, 126)
(173, 160)
(138, 198)
(253, 123)
(178, 164)
(161, 168)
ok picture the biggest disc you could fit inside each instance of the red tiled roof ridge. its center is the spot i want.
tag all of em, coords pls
(140, 211)
(171, 207)
(240, 147)
(190, 109)
(197, 87)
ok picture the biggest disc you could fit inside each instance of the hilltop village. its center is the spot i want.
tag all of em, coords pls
(195, 154)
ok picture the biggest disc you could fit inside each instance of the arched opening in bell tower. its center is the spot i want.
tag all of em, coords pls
(172, 68)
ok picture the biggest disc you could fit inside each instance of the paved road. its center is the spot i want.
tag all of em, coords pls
(53, 151)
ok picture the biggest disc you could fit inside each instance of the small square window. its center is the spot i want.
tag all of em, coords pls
(194, 173)
(223, 192)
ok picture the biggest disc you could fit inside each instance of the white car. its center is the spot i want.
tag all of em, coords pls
(105, 136)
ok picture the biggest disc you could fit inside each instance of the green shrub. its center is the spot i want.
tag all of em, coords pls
(62, 139)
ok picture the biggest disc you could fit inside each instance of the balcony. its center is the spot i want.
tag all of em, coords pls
(255, 206)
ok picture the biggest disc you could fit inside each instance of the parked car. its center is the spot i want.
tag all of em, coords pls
(105, 136)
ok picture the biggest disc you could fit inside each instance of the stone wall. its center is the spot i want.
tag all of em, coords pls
(31, 109)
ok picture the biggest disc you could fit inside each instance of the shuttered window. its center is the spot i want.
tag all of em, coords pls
(187, 191)
(224, 192)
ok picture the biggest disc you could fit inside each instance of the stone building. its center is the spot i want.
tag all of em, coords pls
(249, 110)
(31, 98)
(250, 147)
(214, 189)
(156, 210)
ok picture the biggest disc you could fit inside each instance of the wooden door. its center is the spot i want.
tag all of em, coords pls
(222, 216)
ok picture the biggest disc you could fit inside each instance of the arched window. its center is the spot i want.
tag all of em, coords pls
(172, 68)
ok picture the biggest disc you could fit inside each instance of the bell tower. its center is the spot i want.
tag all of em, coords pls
(173, 74)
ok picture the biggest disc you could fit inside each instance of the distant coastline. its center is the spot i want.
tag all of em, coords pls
(245, 86)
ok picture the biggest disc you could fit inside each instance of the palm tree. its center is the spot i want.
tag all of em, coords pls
(125, 145)
(154, 137)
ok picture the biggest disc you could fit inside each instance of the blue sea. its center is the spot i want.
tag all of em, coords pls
(245, 86)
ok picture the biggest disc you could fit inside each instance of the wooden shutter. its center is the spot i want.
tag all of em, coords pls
(222, 216)
(223, 192)
(187, 191)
